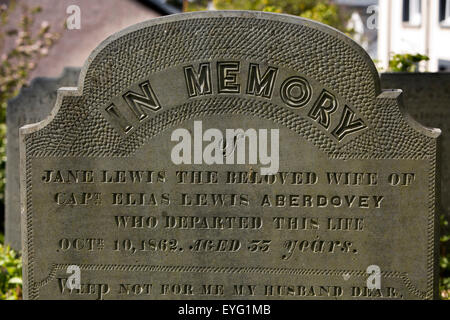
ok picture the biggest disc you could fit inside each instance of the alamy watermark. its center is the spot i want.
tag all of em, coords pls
(235, 146)
(374, 280)
(74, 280)
(372, 20)
(73, 21)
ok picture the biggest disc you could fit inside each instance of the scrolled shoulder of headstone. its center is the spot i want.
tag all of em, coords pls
(33, 104)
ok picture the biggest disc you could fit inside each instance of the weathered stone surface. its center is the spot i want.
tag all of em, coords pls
(427, 97)
(33, 104)
(355, 186)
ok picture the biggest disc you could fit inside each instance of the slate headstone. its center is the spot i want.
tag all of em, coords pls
(140, 186)
(427, 97)
(33, 104)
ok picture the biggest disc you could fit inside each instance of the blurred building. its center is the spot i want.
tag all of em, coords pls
(415, 26)
(363, 22)
(98, 20)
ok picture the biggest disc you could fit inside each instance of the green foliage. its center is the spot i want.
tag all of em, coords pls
(197, 5)
(444, 282)
(327, 14)
(17, 62)
(406, 62)
(29, 44)
(10, 274)
(320, 10)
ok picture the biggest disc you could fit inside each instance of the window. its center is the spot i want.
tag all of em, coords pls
(444, 65)
(444, 11)
(412, 12)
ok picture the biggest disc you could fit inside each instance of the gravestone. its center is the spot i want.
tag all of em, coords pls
(427, 97)
(141, 186)
(33, 104)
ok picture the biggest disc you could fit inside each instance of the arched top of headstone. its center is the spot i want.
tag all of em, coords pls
(305, 45)
(159, 62)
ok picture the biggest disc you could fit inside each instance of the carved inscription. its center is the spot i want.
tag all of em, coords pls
(296, 92)
(314, 214)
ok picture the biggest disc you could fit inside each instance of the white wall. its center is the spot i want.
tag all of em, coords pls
(383, 33)
(404, 38)
(439, 38)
